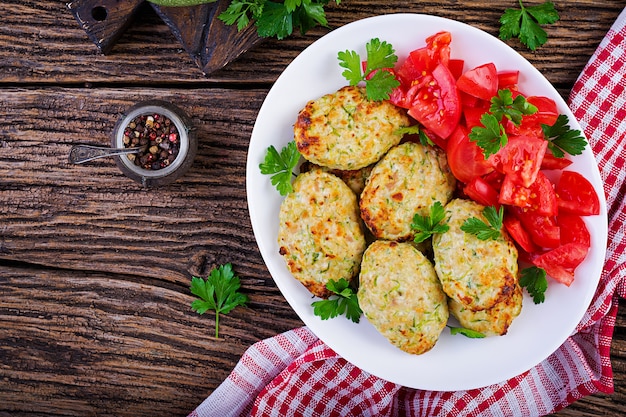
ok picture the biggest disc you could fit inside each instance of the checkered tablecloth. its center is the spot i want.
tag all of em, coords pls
(296, 374)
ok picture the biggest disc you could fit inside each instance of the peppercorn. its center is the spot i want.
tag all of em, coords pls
(158, 138)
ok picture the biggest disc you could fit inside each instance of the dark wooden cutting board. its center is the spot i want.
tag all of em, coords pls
(210, 43)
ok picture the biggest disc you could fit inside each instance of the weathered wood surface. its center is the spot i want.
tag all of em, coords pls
(95, 270)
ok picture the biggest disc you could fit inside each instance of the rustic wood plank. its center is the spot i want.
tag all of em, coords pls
(58, 50)
(93, 206)
(79, 344)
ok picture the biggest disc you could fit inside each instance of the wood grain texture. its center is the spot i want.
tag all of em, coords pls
(94, 270)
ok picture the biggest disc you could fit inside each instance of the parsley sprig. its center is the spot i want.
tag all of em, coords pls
(271, 18)
(491, 136)
(534, 280)
(562, 139)
(415, 130)
(281, 166)
(472, 334)
(426, 226)
(345, 303)
(525, 23)
(504, 105)
(379, 83)
(482, 230)
(219, 292)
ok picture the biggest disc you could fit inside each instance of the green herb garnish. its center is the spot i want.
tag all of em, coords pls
(280, 166)
(534, 280)
(525, 23)
(426, 226)
(379, 83)
(490, 137)
(219, 292)
(482, 230)
(271, 18)
(415, 130)
(561, 138)
(472, 334)
(345, 303)
(503, 105)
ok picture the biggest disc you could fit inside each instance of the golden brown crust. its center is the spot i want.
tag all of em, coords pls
(346, 131)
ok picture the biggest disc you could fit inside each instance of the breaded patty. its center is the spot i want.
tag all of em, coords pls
(320, 234)
(494, 321)
(346, 131)
(355, 179)
(401, 296)
(476, 273)
(407, 181)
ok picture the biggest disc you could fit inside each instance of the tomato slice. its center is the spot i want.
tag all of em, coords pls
(540, 197)
(482, 192)
(520, 159)
(561, 262)
(437, 105)
(422, 61)
(481, 82)
(551, 162)
(515, 228)
(573, 229)
(465, 158)
(546, 114)
(508, 79)
(473, 113)
(576, 195)
(456, 67)
(543, 230)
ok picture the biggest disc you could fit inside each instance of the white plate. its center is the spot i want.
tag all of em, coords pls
(456, 362)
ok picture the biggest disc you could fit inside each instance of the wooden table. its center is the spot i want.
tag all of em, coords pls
(95, 314)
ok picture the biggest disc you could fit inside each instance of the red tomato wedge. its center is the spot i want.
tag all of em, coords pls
(543, 230)
(422, 61)
(517, 232)
(520, 159)
(456, 67)
(539, 197)
(465, 158)
(573, 229)
(472, 113)
(546, 114)
(482, 192)
(576, 195)
(551, 162)
(437, 105)
(481, 82)
(508, 79)
(561, 262)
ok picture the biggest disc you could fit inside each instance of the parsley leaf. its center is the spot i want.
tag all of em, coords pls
(472, 334)
(346, 302)
(415, 130)
(535, 281)
(491, 136)
(275, 19)
(379, 83)
(426, 226)
(561, 138)
(482, 230)
(280, 166)
(503, 105)
(219, 292)
(525, 23)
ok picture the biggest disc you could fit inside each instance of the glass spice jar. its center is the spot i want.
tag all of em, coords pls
(166, 139)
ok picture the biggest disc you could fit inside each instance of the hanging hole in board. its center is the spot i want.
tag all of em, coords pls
(99, 13)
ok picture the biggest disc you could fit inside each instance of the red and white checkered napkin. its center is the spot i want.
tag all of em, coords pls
(295, 374)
